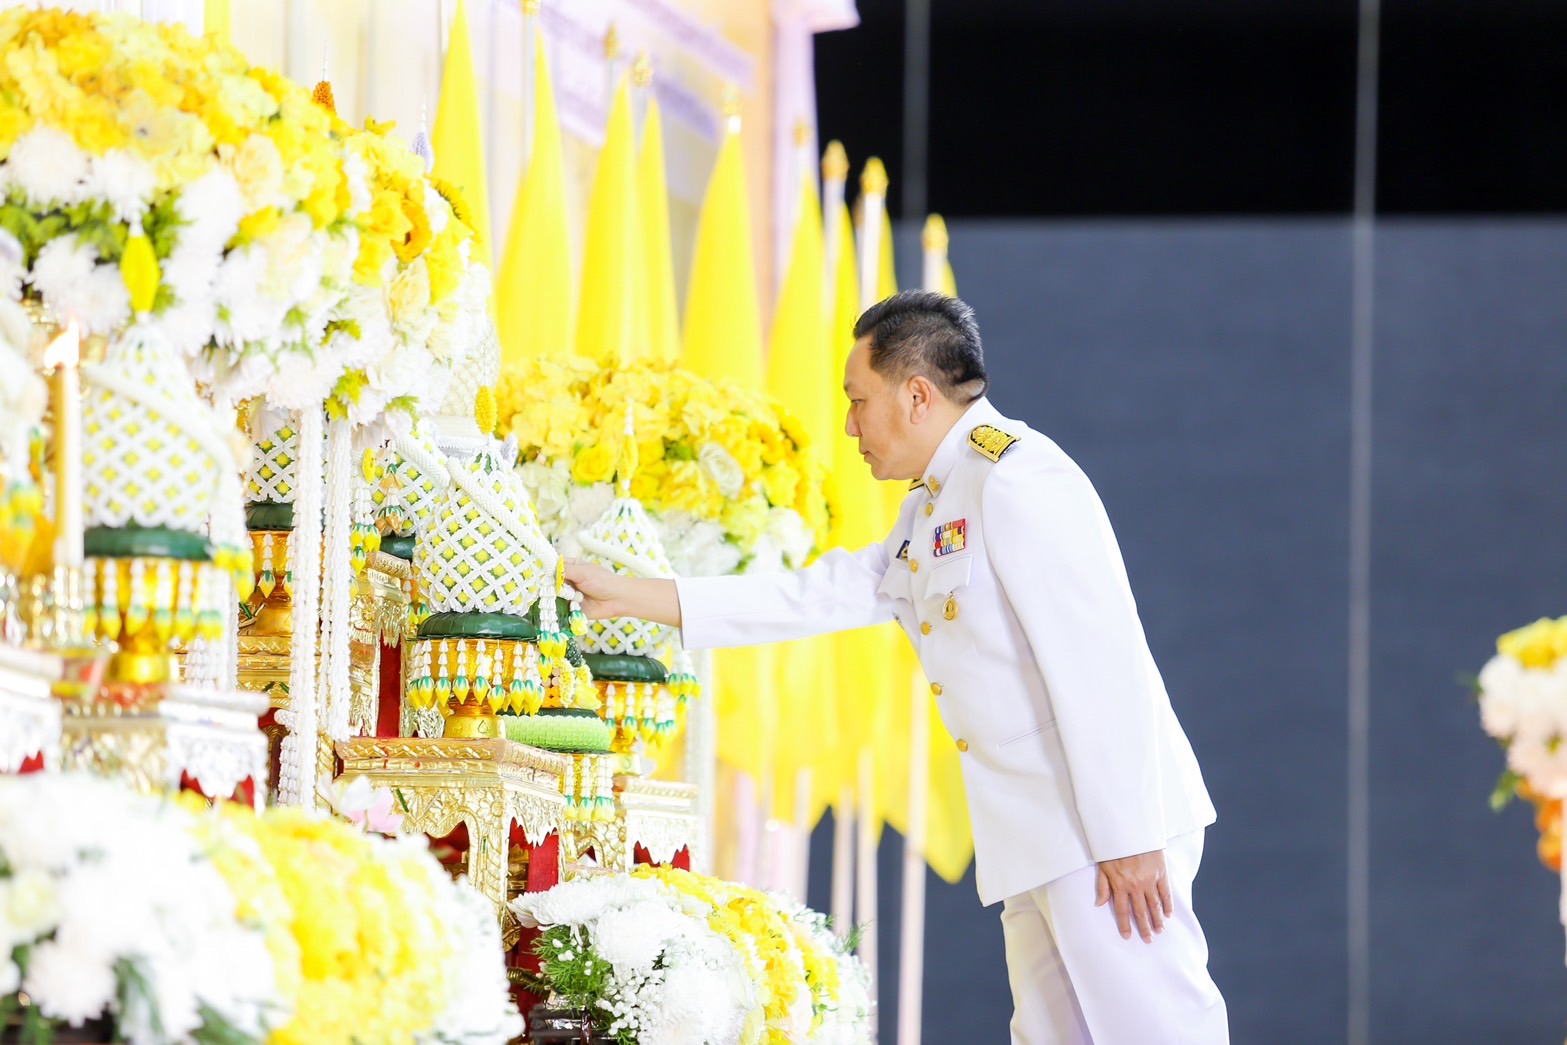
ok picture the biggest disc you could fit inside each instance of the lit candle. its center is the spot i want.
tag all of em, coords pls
(65, 389)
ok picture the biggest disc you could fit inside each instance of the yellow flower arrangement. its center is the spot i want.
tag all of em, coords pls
(719, 452)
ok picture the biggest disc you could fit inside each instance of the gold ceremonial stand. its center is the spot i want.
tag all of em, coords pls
(154, 743)
(484, 785)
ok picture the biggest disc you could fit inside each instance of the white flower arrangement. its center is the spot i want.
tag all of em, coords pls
(108, 905)
(178, 924)
(1523, 704)
(666, 956)
(647, 969)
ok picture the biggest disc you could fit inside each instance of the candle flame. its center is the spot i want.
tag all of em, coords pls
(66, 349)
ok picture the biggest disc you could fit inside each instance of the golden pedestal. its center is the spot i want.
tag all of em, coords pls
(209, 735)
(29, 715)
(658, 815)
(485, 785)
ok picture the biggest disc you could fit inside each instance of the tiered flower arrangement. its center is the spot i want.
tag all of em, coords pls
(1523, 704)
(670, 956)
(727, 475)
(179, 923)
(281, 251)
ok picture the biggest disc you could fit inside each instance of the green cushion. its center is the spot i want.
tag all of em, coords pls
(560, 729)
(269, 515)
(615, 667)
(476, 626)
(151, 542)
(400, 547)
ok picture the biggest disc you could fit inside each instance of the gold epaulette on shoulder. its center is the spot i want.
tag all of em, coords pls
(991, 441)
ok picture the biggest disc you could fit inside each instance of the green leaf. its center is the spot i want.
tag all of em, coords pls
(1505, 791)
(1471, 682)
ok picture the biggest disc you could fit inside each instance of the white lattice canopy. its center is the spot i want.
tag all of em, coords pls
(153, 452)
(624, 540)
(482, 550)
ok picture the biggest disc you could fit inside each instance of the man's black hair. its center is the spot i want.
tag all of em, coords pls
(922, 332)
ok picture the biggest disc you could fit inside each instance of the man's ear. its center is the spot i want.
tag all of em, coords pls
(921, 393)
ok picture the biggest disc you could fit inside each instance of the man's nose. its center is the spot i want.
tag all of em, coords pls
(850, 429)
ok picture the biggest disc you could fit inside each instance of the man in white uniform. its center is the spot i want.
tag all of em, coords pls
(1087, 804)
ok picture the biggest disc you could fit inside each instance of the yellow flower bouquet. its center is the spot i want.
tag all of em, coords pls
(727, 476)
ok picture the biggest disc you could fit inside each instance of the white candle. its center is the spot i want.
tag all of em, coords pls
(65, 388)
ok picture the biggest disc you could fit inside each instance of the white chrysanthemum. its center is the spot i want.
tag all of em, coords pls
(635, 937)
(581, 900)
(480, 1009)
(70, 279)
(302, 380)
(243, 314)
(211, 207)
(10, 975)
(549, 486)
(766, 556)
(123, 181)
(66, 984)
(48, 166)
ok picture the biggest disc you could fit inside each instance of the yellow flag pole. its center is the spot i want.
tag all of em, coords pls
(530, 22)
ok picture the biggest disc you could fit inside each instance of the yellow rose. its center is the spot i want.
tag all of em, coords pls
(594, 464)
(1536, 645)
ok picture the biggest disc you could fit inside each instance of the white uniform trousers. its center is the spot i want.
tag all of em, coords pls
(1075, 980)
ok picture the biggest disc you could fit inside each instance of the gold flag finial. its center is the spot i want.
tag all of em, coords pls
(531, 7)
(611, 43)
(835, 162)
(935, 235)
(642, 70)
(873, 179)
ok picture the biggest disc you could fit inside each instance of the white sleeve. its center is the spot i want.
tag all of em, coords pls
(835, 593)
(1052, 548)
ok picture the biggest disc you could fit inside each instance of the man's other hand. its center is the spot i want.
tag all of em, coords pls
(1140, 889)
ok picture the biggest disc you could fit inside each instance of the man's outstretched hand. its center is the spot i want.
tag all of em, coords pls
(1140, 888)
(598, 588)
(609, 594)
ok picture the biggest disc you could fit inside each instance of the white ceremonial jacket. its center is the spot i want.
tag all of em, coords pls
(1007, 578)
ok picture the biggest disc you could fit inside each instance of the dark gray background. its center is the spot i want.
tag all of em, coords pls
(1199, 372)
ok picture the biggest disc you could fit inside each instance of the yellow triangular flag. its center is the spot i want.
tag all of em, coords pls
(723, 332)
(663, 311)
(801, 377)
(218, 21)
(533, 294)
(609, 328)
(459, 135)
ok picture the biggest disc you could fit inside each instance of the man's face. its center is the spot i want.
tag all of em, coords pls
(878, 417)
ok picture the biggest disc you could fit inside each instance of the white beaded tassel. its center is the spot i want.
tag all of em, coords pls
(296, 774)
(337, 580)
